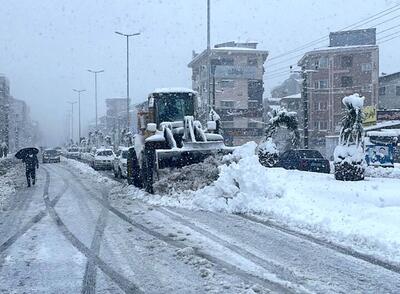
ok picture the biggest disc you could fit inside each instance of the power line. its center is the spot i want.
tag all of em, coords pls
(364, 21)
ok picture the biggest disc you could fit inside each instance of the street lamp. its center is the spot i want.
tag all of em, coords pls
(79, 110)
(95, 72)
(72, 119)
(127, 73)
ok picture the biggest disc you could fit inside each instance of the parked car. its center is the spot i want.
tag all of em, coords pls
(73, 153)
(103, 159)
(50, 155)
(120, 162)
(304, 159)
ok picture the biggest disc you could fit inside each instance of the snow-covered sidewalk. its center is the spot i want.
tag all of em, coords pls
(10, 179)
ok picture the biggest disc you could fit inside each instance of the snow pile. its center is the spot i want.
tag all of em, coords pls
(349, 154)
(383, 172)
(363, 214)
(86, 170)
(268, 146)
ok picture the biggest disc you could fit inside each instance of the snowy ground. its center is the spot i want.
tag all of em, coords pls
(364, 216)
(78, 230)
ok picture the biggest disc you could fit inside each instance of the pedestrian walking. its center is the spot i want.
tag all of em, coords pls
(31, 163)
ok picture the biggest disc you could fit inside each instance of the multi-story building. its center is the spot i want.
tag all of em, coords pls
(337, 71)
(229, 79)
(4, 109)
(389, 91)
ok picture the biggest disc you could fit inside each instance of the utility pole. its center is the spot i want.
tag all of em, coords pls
(72, 119)
(127, 74)
(209, 54)
(79, 111)
(95, 72)
(305, 106)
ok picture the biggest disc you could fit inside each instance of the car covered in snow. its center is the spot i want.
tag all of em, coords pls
(120, 162)
(103, 159)
(73, 153)
(50, 155)
(305, 160)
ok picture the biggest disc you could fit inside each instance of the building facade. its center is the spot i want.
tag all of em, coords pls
(389, 92)
(333, 73)
(4, 109)
(229, 79)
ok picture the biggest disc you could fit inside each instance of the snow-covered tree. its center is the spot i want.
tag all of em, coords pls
(349, 154)
(268, 154)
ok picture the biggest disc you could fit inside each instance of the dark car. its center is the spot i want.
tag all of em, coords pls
(50, 155)
(304, 159)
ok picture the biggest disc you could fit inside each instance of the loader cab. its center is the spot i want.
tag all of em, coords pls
(171, 105)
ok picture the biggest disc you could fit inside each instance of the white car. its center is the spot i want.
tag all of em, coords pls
(120, 163)
(73, 153)
(103, 159)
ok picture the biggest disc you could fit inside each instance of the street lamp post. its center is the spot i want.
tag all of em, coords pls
(95, 72)
(79, 110)
(127, 73)
(72, 119)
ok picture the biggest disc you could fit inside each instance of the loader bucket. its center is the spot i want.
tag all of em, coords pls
(190, 153)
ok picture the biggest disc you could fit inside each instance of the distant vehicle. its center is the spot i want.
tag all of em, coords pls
(120, 163)
(103, 159)
(58, 149)
(304, 159)
(50, 155)
(73, 153)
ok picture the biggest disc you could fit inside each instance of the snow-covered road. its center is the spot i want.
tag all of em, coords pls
(66, 235)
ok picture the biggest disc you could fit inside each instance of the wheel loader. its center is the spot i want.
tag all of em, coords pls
(171, 136)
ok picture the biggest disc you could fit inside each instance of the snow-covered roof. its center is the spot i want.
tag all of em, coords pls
(383, 125)
(333, 49)
(174, 90)
(294, 96)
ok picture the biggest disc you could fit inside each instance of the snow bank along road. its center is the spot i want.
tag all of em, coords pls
(66, 235)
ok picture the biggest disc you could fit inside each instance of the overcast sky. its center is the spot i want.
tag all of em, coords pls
(46, 46)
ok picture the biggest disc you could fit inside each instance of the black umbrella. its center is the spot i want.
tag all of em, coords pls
(24, 152)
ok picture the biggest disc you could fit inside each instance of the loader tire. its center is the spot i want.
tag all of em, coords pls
(148, 168)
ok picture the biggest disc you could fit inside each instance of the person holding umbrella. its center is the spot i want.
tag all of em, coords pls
(29, 157)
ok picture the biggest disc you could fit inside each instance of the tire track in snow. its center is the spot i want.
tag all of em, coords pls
(219, 263)
(89, 279)
(338, 248)
(285, 277)
(34, 220)
(124, 284)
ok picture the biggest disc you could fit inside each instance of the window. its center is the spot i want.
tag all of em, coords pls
(397, 90)
(323, 62)
(366, 66)
(227, 122)
(227, 83)
(252, 61)
(253, 104)
(255, 89)
(323, 125)
(323, 84)
(366, 88)
(382, 91)
(227, 103)
(346, 81)
(347, 61)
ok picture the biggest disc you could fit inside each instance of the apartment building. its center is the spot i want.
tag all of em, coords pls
(229, 78)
